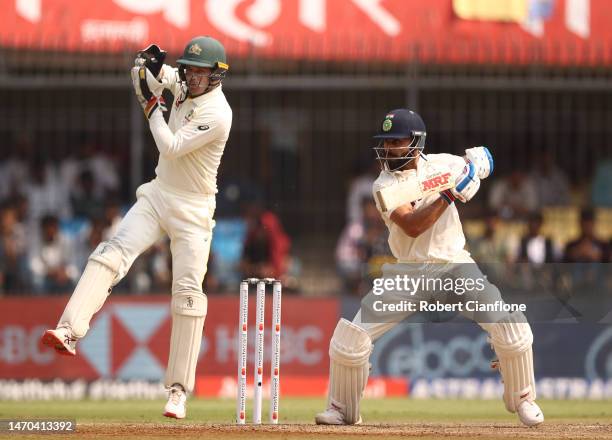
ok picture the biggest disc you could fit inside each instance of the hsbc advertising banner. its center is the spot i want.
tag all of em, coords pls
(127, 345)
(129, 338)
(452, 350)
(450, 31)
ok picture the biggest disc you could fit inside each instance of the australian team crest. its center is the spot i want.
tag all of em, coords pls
(195, 49)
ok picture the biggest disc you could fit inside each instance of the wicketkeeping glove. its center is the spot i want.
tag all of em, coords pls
(466, 185)
(482, 158)
(152, 58)
(148, 90)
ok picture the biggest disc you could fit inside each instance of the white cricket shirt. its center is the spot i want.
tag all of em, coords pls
(444, 240)
(192, 143)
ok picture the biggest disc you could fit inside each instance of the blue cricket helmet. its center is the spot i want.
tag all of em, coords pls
(401, 123)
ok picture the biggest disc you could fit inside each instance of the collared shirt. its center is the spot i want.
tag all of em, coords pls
(444, 240)
(192, 143)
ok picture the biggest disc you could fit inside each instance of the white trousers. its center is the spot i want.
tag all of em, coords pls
(187, 219)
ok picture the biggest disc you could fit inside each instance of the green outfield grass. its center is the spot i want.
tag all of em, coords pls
(299, 410)
(384, 412)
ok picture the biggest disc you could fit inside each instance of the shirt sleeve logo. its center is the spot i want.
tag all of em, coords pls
(203, 127)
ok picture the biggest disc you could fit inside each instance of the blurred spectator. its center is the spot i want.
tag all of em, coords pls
(361, 242)
(586, 248)
(50, 259)
(14, 169)
(492, 246)
(13, 256)
(587, 276)
(535, 248)
(361, 188)
(151, 272)
(112, 218)
(550, 181)
(513, 196)
(281, 130)
(266, 247)
(104, 170)
(375, 243)
(493, 250)
(44, 193)
(20, 203)
(257, 255)
(84, 200)
(91, 158)
(601, 190)
(89, 240)
(233, 193)
(68, 170)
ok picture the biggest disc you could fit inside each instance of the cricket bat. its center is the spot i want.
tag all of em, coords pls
(410, 189)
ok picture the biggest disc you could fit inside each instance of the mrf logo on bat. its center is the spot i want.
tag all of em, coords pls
(436, 181)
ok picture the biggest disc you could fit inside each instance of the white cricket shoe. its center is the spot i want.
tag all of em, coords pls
(176, 405)
(61, 340)
(333, 416)
(530, 413)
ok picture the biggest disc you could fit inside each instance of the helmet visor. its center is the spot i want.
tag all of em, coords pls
(393, 158)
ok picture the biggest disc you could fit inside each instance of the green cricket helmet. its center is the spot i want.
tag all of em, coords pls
(204, 52)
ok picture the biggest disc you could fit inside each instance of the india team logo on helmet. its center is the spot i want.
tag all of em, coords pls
(387, 124)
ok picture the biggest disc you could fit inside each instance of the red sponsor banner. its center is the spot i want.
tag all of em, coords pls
(456, 31)
(129, 338)
(299, 386)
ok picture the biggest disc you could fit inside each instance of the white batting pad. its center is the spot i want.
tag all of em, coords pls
(349, 351)
(512, 340)
(91, 290)
(188, 315)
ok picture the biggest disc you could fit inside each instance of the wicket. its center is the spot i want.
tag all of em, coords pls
(259, 349)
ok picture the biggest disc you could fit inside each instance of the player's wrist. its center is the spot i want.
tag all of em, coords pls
(448, 196)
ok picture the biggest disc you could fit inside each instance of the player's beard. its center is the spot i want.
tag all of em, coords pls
(398, 163)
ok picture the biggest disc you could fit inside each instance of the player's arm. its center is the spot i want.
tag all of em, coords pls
(198, 132)
(169, 77)
(416, 221)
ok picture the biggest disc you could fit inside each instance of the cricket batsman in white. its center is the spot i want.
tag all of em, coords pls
(427, 232)
(179, 202)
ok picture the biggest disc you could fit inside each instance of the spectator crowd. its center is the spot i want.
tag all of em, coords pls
(53, 213)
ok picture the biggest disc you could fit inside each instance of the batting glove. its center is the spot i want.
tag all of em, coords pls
(482, 158)
(466, 186)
